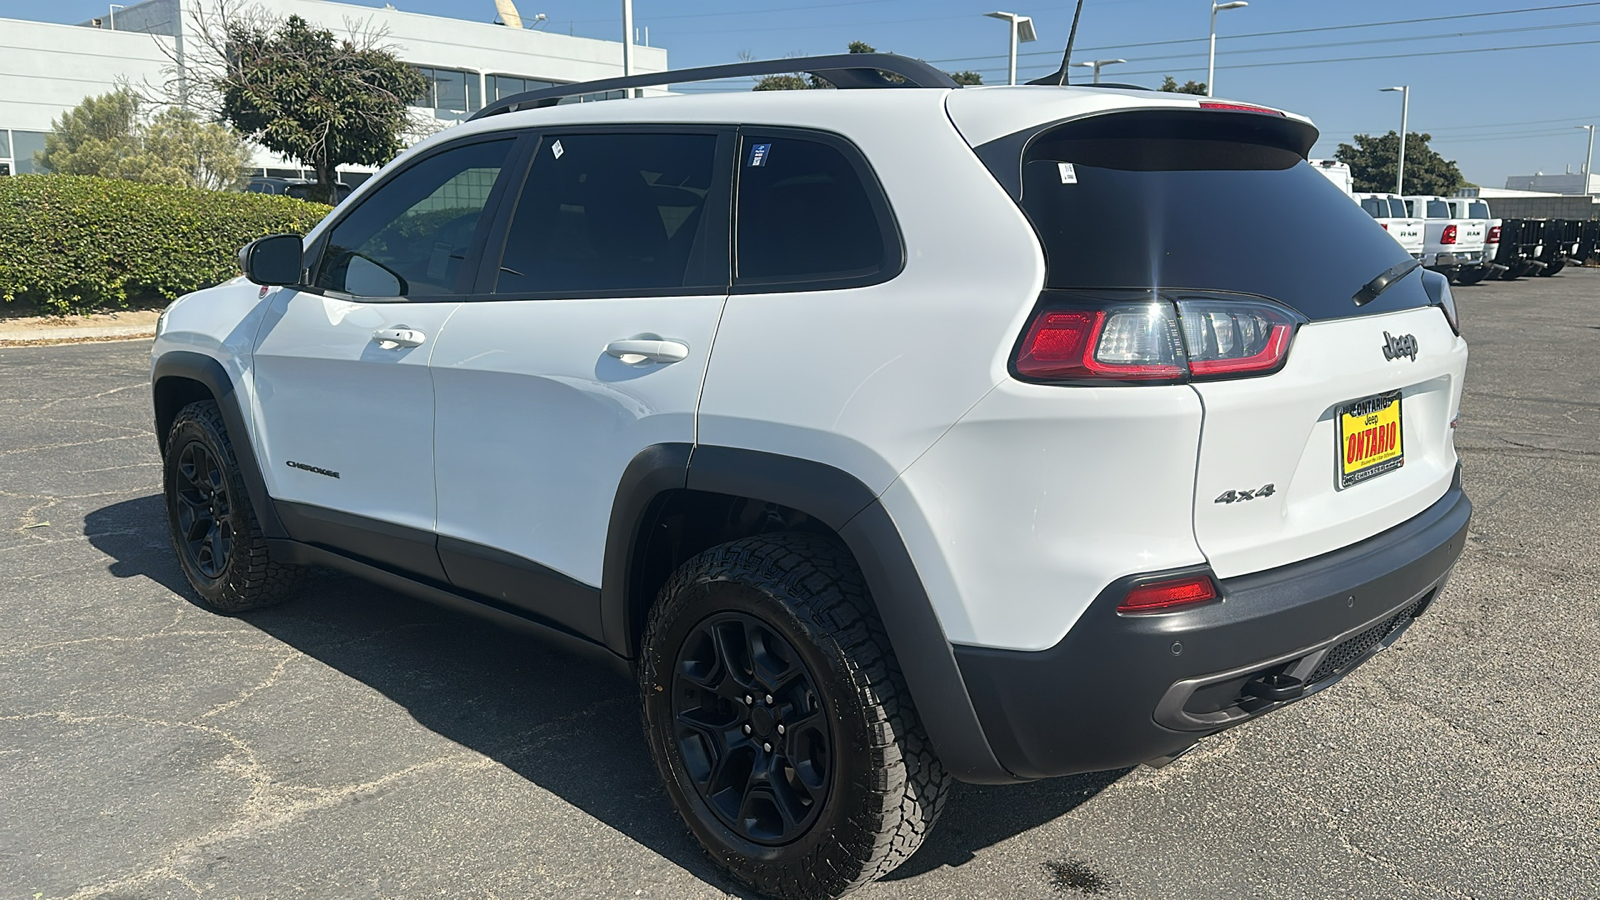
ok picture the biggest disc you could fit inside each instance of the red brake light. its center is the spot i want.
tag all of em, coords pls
(1449, 236)
(1117, 343)
(1494, 235)
(1384, 225)
(1238, 107)
(1158, 596)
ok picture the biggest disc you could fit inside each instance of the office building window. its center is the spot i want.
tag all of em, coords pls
(5, 144)
(23, 145)
(450, 90)
(497, 87)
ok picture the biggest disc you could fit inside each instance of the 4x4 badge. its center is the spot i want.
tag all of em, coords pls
(1396, 347)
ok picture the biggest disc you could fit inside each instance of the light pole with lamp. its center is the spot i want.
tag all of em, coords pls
(1021, 30)
(1211, 66)
(1400, 168)
(1096, 64)
(1588, 158)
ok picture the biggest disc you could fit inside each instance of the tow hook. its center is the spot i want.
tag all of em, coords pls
(1277, 688)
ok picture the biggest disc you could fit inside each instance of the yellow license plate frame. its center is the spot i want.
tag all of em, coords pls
(1371, 437)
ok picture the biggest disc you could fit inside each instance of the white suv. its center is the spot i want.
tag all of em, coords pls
(890, 436)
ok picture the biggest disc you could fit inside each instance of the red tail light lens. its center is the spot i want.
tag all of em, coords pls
(1494, 235)
(1228, 338)
(1157, 341)
(1449, 236)
(1384, 225)
(1124, 342)
(1161, 596)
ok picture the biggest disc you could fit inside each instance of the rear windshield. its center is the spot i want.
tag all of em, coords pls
(1438, 209)
(1174, 212)
(1479, 211)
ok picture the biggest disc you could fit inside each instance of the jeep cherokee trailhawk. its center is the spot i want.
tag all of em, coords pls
(889, 436)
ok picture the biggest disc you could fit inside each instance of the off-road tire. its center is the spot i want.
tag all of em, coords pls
(886, 786)
(233, 572)
(1472, 276)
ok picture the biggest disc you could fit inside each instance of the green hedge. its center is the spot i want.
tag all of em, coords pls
(74, 243)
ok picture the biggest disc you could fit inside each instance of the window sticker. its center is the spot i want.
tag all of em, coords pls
(1069, 175)
(759, 154)
(555, 149)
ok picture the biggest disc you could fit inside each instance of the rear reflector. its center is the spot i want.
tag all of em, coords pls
(1449, 236)
(1238, 107)
(1159, 596)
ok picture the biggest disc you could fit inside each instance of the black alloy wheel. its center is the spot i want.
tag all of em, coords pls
(779, 719)
(211, 521)
(751, 728)
(204, 520)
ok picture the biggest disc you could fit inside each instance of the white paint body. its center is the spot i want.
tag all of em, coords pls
(1017, 502)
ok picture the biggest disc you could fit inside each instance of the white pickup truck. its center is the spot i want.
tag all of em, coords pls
(1390, 211)
(1449, 245)
(1475, 232)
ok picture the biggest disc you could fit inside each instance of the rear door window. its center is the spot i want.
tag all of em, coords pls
(618, 213)
(810, 215)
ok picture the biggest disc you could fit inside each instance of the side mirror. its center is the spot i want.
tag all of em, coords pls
(273, 260)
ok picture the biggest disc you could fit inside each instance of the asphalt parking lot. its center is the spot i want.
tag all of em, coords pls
(357, 743)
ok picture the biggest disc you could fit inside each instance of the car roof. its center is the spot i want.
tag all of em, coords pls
(980, 113)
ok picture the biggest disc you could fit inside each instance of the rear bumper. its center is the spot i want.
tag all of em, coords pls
(1121, 690)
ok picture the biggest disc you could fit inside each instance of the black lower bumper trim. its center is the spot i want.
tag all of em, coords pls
(1120, 690)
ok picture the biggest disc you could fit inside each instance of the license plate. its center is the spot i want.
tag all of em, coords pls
(1371, 441)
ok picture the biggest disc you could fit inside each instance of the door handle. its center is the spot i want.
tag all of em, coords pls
(400, 336)
(637, 351)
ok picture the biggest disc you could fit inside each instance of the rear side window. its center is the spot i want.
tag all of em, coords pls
(615, 213)
(810, 216)
(1183, 201)
(412, 234)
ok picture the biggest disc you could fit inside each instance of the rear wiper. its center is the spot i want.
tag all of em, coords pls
(1385, 280)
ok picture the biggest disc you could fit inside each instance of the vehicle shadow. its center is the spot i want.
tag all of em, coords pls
(566, 724)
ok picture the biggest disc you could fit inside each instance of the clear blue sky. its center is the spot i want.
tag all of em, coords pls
(1511, 111)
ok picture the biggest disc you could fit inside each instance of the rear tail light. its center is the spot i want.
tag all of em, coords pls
(1449, 236)
(1154, 341)
(1384, 225)
(1438, 288)
(1494, 235)
(1162, 596)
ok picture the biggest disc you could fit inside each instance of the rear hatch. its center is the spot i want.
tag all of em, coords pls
(1348, 434)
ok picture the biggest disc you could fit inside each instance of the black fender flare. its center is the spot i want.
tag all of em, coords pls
(846, 505)
(197, 367)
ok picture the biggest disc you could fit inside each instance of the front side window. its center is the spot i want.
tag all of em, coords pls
(805, 216)
(612, 213)
(411, 235)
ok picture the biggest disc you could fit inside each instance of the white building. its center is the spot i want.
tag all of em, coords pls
(1569, 183)
(49, 68)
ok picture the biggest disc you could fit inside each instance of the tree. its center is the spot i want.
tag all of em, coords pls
(1171, 86)
(325, 102)
(106, 136)
(178, 148)
(94, 138)
(796, 82)
(1372, 162)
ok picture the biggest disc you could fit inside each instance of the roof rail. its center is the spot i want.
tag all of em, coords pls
(843, 70)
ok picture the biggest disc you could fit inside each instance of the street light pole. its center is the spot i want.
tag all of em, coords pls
(1588, 158)
(1211, 65)
(627, 42)
(1400, 167)
(1021, 30)
(1096, 64)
